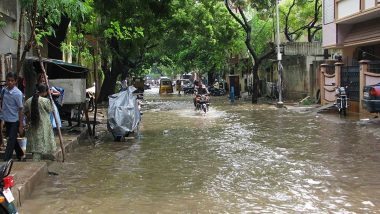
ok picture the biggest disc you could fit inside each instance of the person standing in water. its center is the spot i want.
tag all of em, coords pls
(40, 134)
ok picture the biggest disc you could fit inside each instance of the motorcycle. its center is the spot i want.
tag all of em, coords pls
(124, 115)
(6, 182)
(90, 98)
(217, 91)
(202, 103)
(341, 100)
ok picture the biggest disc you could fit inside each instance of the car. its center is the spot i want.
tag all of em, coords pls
(371, 98)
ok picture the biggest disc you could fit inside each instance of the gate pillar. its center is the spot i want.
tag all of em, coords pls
(327, 84)
(362, 84)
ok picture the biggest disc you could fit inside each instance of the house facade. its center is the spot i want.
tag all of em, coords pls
(351, 29)
(352, 26)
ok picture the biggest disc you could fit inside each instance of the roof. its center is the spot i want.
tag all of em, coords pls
(57, 62)
(58, 69)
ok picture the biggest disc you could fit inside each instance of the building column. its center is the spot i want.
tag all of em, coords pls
(323, 70)
(338, 71)
(364, 67)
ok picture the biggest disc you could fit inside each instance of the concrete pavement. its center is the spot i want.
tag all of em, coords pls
(28, 174)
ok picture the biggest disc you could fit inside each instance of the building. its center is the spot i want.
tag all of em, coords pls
(9, 17)
(351, 31)
(353, 26)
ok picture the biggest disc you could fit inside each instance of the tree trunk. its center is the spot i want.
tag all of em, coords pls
(54, 42)
(256, 87)
(110, 78)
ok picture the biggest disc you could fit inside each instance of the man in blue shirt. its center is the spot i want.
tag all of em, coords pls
(12, 115)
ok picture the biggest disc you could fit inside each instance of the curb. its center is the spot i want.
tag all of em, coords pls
(36, 172)
(28, 175)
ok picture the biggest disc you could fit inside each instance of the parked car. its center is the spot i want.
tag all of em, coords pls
(371, 101)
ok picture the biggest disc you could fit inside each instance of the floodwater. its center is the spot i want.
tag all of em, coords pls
(237, 158)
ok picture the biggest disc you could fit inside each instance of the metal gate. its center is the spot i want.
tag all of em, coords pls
(350, 76)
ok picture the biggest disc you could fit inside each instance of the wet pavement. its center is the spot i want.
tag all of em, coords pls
(237, 158)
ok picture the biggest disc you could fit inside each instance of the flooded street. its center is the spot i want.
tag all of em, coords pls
(238, 158)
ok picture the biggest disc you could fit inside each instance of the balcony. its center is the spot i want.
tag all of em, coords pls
(355, 11)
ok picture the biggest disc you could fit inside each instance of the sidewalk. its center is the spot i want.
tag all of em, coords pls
(28, 174)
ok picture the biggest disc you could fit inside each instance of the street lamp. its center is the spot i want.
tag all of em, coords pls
(279, 57)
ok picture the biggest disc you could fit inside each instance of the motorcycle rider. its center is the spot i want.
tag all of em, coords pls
(200, 89)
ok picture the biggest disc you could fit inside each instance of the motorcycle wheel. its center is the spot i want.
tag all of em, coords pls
(342, 111)
(204, 108)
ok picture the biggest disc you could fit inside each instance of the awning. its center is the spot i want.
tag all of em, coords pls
(58, 69)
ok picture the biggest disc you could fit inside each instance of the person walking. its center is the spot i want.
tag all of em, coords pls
(12, 115)
(41, 141)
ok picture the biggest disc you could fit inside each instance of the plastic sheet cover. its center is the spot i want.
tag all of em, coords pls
(123, 112)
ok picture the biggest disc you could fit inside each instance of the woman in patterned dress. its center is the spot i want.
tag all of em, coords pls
(41, 141)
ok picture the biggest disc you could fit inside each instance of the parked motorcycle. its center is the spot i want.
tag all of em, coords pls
(341, 100)
(124, 114)
(90, 98)
(217, 91)
(6, 182)
(188, 88)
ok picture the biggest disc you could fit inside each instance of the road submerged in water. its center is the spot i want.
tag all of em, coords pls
(237, 158)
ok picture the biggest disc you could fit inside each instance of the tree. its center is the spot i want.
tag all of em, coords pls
(176, 36)
(45, 19)
(301, 16)
(256, 54)
(128, 31)
(201, 36)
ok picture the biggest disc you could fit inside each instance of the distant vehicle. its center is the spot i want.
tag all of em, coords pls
(147, 86)
(371, 101)
(186, 76)
(139, 83)
(216, 91)
(188, 87)
(165, 86)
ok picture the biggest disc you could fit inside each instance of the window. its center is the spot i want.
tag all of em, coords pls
(328, 11)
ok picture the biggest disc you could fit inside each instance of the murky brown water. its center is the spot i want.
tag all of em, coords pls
(235, 159)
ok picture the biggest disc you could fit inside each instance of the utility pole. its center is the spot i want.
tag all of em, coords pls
(279, 58)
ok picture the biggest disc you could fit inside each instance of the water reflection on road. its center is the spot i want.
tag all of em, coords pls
(239, 158)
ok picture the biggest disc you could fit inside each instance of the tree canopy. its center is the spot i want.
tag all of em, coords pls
(174, 36)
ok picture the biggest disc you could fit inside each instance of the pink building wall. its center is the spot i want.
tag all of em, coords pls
(329, 35)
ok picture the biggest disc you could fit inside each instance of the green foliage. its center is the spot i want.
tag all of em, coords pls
(50, 12)
(122, 32)
(202, 36)
(40, 34)
(302, 14)
(262, 32)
